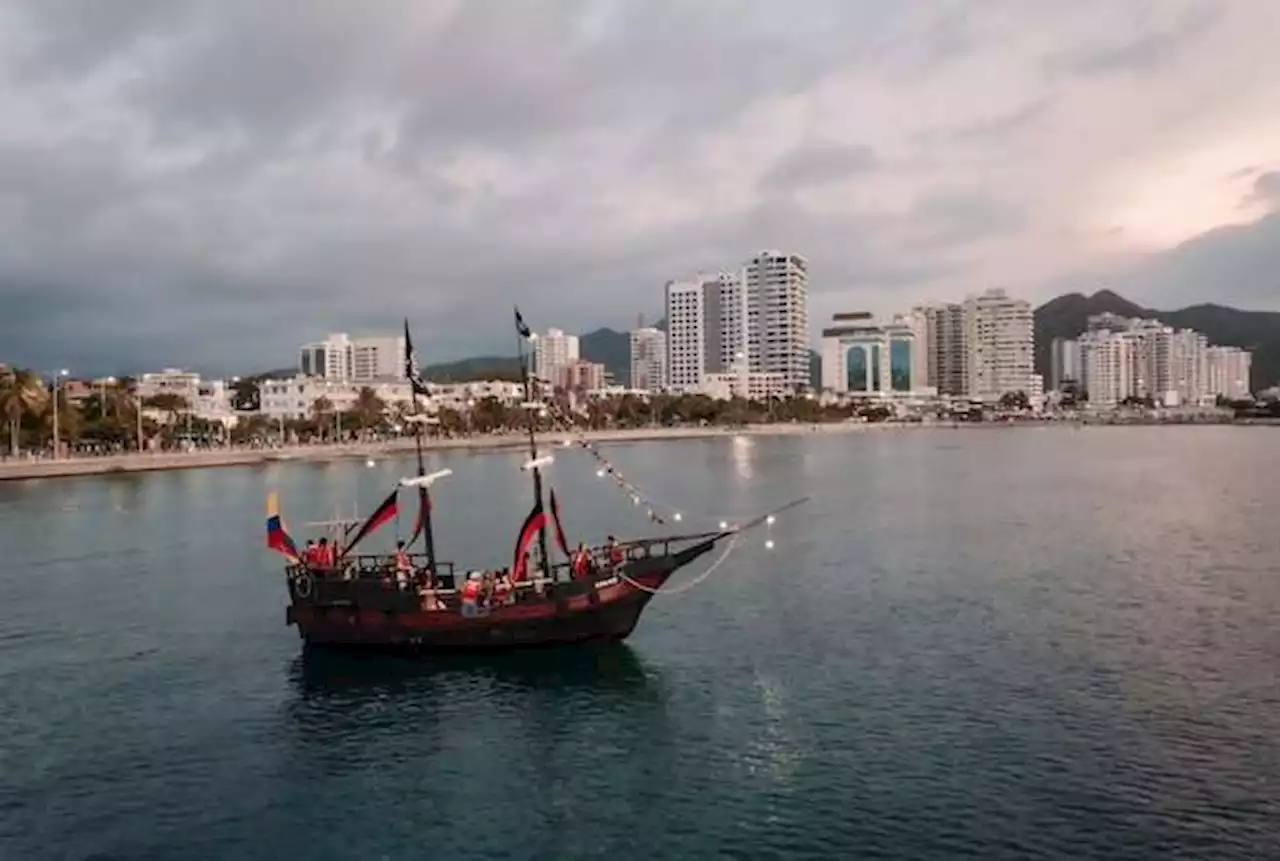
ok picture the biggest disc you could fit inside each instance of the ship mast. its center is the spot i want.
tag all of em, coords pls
(530, 394)
(424, 488)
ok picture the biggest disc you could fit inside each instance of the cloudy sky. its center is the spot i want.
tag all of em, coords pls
(207, 184)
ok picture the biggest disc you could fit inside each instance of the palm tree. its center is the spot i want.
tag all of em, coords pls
(22, 393)
(169, 402)
(322, 412)
(369, 408)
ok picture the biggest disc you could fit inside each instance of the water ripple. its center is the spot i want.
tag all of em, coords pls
(994, 645)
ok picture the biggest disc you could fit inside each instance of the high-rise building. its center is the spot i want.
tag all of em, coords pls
(1064, 363)
(724, 303)
(777, 296)
(947, 349)
(340, 358)
(686, 335)
(648, 359)
(999, 336)
(1107, 360)
(1189, 353)
(1168, 367)
(1228, 372)
(553, 351)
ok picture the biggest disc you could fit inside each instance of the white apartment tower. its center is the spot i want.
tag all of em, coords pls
(552, 352)
(648, 359)
(999, 333)
(1228, 372)
(686, 335)
(724, 301)
(777, 296)
(1064, 363)
(343, 359)
(1107, 359)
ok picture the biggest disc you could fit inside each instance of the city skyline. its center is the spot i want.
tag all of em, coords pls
(913, 152)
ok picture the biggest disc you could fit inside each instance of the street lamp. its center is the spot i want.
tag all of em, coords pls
(57, 384)
(102, 393)
(137, 414)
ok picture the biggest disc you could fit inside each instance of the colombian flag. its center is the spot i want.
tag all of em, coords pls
(278, 538)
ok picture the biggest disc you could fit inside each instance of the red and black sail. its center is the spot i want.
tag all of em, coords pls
(536, 520)
(382, 515)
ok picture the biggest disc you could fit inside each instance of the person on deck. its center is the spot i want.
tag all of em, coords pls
(615, 552)
(581, 562)
(309, 556)
(502, 593)
(471, 595)
(404, 566)
(324, 554)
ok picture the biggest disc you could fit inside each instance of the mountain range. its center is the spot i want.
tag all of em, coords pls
(1064, 317)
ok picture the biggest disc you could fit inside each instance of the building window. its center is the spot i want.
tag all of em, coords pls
(855, 365)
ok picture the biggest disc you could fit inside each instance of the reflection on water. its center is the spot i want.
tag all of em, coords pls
(327, 674)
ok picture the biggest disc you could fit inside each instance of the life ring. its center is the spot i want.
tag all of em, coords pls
(302, 585)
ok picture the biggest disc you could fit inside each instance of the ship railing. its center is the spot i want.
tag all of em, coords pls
(645, 548)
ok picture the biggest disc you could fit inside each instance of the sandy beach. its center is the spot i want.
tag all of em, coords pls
(19, 469)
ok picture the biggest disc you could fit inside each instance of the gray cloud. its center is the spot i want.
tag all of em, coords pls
(1266, 189)
(210, 183)
(949, 217)
(819, 163)
(1148, 45)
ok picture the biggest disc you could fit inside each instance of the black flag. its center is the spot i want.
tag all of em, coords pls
(555, 519)
(411, 365)
(520, 325)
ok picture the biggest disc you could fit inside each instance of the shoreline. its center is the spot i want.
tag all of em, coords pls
(132, 462)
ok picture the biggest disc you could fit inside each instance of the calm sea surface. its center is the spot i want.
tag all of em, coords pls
(1037, 643)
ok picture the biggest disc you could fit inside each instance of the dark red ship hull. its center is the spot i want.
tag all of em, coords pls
(353, 615)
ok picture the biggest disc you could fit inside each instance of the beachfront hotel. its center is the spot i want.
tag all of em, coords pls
(863, 357)
(1122, 358)
(777, 295)
(759, 314)
(552, 353)
(340, 358)
(999, 335)
(648, 359)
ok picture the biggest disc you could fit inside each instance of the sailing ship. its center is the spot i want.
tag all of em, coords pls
(416, 602)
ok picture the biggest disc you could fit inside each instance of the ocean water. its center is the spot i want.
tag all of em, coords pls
(1025, 643)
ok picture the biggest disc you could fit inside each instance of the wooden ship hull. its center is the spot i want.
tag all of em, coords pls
(367, 610)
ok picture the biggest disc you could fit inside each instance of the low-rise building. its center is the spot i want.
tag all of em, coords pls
(579, 376)
(295, 397)
(863, 357)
